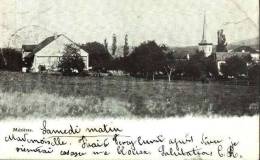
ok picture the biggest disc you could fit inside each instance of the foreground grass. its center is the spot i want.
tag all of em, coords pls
(40, 95)
(38, 104)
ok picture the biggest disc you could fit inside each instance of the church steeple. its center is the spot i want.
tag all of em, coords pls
(204, 29)
(204, 46)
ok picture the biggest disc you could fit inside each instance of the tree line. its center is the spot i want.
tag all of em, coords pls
(148, 60)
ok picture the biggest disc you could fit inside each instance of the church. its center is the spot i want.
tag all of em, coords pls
(205, 46)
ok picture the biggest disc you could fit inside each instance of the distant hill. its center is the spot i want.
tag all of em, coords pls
(252, 42)
(183, 51)
(179, 51)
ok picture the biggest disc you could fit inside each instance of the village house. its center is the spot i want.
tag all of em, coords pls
(46, 55)
(240, 51)
(248, 50)
(27, 49)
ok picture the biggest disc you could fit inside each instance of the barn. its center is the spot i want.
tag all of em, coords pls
(47, 54)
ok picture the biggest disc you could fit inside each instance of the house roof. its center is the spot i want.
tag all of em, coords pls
(29, 48)
(41, 45)
(47, 41)
(44, 43)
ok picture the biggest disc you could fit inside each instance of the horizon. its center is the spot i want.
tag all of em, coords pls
(88, 20)
(133, 46)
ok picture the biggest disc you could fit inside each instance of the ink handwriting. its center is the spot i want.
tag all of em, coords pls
(107, 140)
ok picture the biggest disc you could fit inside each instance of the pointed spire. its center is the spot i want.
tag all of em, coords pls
(204, 29)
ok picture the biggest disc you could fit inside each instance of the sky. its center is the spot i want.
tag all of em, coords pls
(171, 22)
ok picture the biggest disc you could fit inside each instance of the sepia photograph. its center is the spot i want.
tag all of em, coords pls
(135, 60)
(124, 59)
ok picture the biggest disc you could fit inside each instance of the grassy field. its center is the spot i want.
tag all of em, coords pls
(25, 95)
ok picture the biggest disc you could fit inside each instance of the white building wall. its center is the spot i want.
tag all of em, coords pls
(50, 55)
(207, 49)
(255, 56)
(219, 63)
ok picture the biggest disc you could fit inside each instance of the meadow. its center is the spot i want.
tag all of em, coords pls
(40, 95)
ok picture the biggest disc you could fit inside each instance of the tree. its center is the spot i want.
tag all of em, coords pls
(180, 68)
(146, 59)
(3, 60)
(222, 44)
(235, 66)
(169, 64)
(196, 66)
(126, 47)
(201, 67)
(99, 57)
(211, 66)
(114, 47)
(11, 59)
(193, 70)
(254, 73)
(106, 44)
(71, 62)
(119, 63)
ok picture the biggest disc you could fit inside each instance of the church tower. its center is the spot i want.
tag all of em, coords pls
(204, 46)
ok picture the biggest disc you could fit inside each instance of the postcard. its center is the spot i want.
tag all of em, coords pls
(129, 80)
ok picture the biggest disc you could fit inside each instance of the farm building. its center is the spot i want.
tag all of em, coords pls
(27, 49)
(248, 50)
(48, 53)
(240, 51)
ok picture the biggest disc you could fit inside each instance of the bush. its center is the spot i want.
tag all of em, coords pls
(235, 66)
(42, 68)
(99, 56)
(10, 59)
(146, 59)
(71, 62)
(254, 72)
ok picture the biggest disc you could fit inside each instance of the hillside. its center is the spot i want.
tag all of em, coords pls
(183, 51)
(252, 42)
